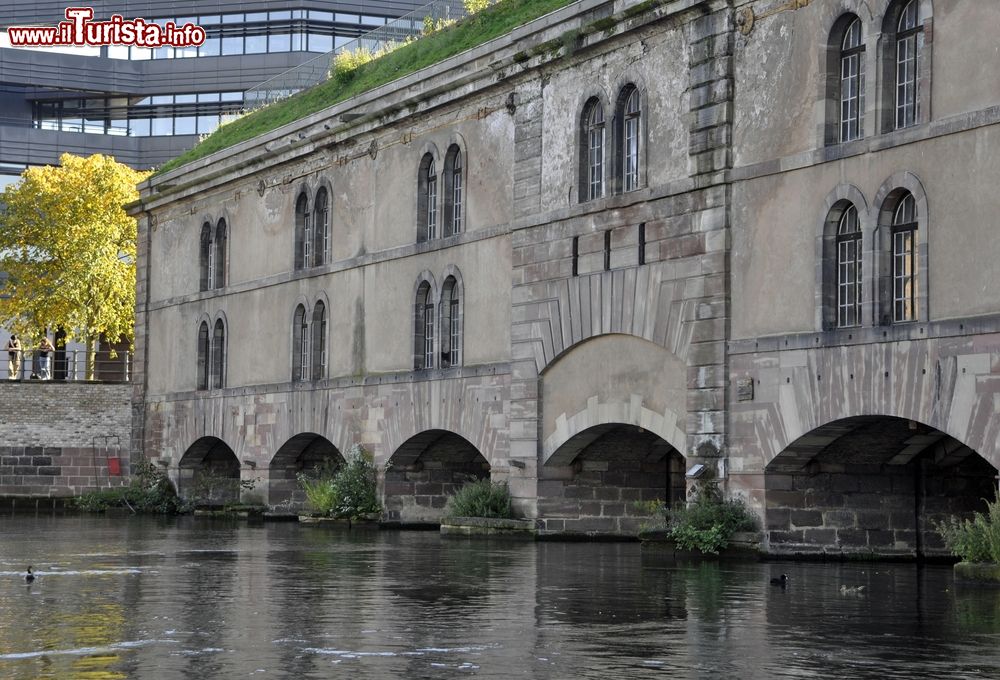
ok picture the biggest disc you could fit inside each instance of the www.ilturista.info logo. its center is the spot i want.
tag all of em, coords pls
(79, 29)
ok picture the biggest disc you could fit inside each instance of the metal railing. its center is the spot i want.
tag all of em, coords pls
(68, 366)
(316, 71)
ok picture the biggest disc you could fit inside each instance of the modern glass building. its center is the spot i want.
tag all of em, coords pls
(145, 106)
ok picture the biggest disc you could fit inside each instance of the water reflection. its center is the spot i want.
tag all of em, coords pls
(204, 598)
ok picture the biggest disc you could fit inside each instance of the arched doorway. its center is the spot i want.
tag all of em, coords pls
(872, 485)
(425, 471)
(594, 481)
(305, 453)
(209, 473)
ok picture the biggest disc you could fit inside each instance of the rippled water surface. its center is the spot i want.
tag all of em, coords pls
(190, 598)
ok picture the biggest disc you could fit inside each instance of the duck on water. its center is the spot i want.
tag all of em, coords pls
(29, 577)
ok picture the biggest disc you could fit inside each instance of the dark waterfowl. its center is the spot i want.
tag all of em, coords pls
(29, 577)
(780, 581)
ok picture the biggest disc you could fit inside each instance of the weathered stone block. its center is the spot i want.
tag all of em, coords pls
(806, 518)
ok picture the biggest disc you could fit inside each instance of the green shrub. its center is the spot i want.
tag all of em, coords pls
(318, 487)
(481, 498)
(706, 525)
(976, 539)
(350, 492)
(150, 491)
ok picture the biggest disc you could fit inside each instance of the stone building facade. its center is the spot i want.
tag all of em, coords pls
(627, 238)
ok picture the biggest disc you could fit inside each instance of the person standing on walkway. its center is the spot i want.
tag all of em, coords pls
(44, 347)
(13, 358)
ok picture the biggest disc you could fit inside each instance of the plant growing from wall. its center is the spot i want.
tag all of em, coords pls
(150, 491)
(351, 492)
(318, 487)
(974, 540)
(707, 524)
(481, 498)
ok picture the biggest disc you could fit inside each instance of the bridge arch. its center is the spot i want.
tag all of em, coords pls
(593, 483)
(305, 453)
(872, 484)
(425, 470)
(209, 473)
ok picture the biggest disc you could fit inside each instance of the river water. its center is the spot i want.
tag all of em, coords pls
(193, 598)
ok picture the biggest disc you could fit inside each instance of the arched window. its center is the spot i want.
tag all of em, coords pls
(906, 66)
(427, 199)
(300, 345)
(203, 356)
(218, 355)
(205, 257)
(319, 341)
(592, 146)
(849, 269)
(219, 255)
(321, 229)
(454, 208)
(852, 82)
(904, 260)
(423, 332)
(303, 224)
(451, 324)
(630, 116)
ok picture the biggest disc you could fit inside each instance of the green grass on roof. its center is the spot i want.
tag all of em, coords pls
(490, 23)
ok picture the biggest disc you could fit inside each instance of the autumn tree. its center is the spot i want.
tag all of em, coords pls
(67, 247)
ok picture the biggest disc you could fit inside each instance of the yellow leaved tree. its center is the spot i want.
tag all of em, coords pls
(67, 248)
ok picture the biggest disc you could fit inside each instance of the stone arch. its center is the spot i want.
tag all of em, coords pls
(209, 473)
(595, 480)
(305, 453)
(883, 207)
(825, 252)
(872, 484)
(425, 470)
(612, 378)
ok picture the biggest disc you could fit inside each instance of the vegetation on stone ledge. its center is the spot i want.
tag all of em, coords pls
(974, 540)
(492, 22)
(150, 492)
(481, 498)
(706, 525)
(347, 493)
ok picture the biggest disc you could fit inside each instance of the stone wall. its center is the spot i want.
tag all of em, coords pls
(53, 437)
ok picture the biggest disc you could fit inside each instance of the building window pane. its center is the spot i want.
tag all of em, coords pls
(904, 260)
(849, 277)
(320, 43)
(185, 125)
(209, 48)
(255, 44)
(232, 45)
(279, 42)
(852, 84)
(630, 143)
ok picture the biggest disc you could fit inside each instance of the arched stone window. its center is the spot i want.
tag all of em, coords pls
(300, 345)
(321, 229)
(904, 260)
(454, 187)
(629, 138)
(319, 341)
(205, 257)
(592, 151)
(423, 331)
(427, 197)
(219, 255)
(852, 80)
(218, 355)
(902, 63)
(849, 269)
(303, 232)
(204, 350)
(451, 323)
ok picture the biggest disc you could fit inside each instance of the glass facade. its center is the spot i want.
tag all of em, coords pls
(158, 115)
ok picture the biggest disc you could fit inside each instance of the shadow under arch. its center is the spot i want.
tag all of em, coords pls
(305, 453)
(593, 483)
(872, 484)
(209, 473)
(425, 471)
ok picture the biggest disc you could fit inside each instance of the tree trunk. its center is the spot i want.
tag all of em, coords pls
(91, 346)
